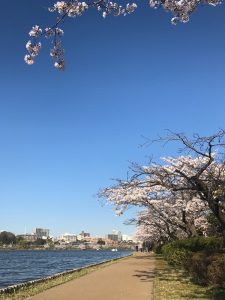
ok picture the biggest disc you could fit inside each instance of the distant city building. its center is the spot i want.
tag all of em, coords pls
(69, 237)
(126, 238)
(85, 234)
(28, 237)
(112, 237)
(115, 236)
(117, 232)
(42, 233)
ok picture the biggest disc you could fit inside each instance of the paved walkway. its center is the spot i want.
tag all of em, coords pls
(129, 279)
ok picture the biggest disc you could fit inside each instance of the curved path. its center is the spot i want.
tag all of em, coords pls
(129, 279)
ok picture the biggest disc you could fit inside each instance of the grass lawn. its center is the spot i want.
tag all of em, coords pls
(171, 283)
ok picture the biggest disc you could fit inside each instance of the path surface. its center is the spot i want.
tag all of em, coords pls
(129, 279)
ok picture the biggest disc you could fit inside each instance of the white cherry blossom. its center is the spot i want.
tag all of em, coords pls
(180, 9)
(28, 59)
(35, 31)
(178, 192)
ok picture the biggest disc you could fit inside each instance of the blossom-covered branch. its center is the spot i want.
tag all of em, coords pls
(180, 9)
(68, 9)
(179, 193)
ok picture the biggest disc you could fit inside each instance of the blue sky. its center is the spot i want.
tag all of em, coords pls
(65, 135)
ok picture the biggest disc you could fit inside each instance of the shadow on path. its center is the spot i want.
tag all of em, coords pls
(149, 274)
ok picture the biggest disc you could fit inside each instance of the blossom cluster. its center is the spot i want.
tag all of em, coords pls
(33, 46)
(115, 9)
(181, 9)
(68, 8)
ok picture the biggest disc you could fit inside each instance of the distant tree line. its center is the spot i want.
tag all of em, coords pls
(8, 238)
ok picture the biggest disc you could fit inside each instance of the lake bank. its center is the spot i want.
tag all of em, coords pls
(22, 266)
(28, 289)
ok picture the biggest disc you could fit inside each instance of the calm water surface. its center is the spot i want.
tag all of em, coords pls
(21, 266)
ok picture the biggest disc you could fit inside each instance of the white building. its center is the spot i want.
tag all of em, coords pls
(83, 236)
(126, 238)
(28, 237)
(69, 237)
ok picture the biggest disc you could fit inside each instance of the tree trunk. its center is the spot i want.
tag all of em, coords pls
(218, 210)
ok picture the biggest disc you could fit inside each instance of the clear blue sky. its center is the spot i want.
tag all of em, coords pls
(65, 135)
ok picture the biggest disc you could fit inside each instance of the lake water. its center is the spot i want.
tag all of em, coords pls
(21, 266)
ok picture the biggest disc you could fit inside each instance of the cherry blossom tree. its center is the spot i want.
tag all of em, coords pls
(178, 192)
(167, 217)
(180, 9)
(175, 217)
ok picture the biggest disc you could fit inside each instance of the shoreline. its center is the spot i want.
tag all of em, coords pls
(128, 279)
(45, 283)
(63, 249)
